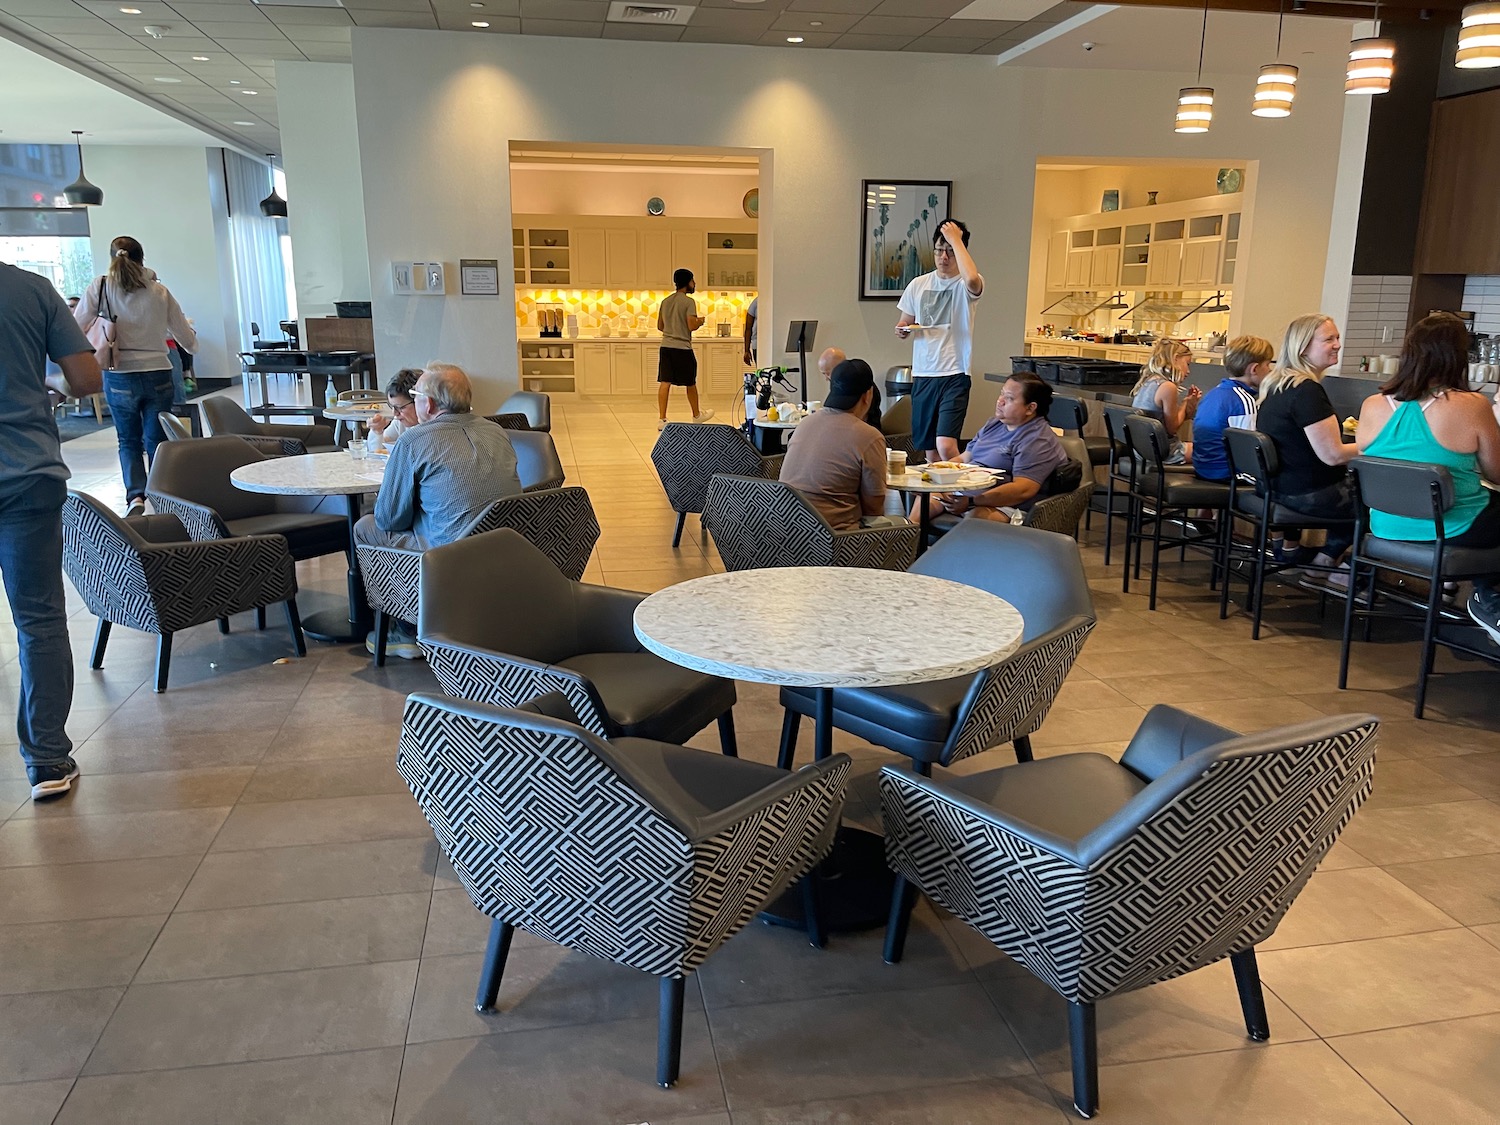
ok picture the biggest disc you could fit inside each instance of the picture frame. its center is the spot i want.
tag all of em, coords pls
(479, 277)
(898, 219)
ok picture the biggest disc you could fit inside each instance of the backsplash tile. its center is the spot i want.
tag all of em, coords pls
(1376, 323)
(626, 309)
(1482, 298)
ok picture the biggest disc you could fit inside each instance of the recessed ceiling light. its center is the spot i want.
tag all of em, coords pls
(794, 39)
(169, 79)
(475, 4)
(131, 11)
(200, 58)
(479, 23)
(250, 92)
(234, 81)
(251, 123)
(815, 23)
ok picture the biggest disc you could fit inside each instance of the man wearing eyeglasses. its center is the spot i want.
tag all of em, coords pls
(937, 315)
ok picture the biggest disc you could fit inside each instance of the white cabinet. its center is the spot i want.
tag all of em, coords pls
(626, 374)
(622, 259)
(1164, 265)
(1104, 271)
(689, 251)
(1057, 261)
(1080, 266)
(657, 259)
(593, 369)
(719, 365)
(1200, 263)
(588, 258)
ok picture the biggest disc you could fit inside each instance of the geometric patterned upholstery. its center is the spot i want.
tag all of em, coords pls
(687, 455)
(161, 587)
(509, 421)
(763, 523)
(222, 415)
(559, 521)
(1061, 513)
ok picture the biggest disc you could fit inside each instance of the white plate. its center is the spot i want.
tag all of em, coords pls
(972, 479)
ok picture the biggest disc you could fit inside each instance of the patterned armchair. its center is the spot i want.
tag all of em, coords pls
(509, 421)
(757, 522)
(560, 521)
(1062, 513)
(688, 454)
(1103, 877)
(537, 462)
(222, 415)
(671, 855)
(501, 624)
(145, 573)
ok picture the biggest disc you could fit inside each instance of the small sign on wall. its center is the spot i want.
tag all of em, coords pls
(479, 276)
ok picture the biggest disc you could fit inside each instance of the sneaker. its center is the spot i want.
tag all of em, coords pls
(661, 425)
(52, 780)
(398, 642)
(137, 507)
(1487, 617)
(704, 416)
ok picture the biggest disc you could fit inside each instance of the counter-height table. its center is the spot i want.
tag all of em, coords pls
(976, 479)
(324, 474)
(828, 627)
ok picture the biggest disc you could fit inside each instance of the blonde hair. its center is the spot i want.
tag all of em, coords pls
(1159, 366)
(447, 384)
(1244, 352)
(1292, 368)
(127, 264)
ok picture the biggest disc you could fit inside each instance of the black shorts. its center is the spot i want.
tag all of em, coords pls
(938, 406)
(678, 366)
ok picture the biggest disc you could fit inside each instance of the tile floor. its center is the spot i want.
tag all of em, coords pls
(240, 916)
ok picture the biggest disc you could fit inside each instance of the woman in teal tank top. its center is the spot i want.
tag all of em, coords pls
(1427, 414)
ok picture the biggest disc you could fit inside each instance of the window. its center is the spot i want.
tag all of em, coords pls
(34, 158)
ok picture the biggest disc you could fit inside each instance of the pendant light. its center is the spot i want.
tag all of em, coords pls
(81, 193)
(1479, 37)
(273, 206)
(1372, 63)
(1195, 104)
(1276, 86)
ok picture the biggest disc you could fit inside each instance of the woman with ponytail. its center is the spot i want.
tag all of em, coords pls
(139, 385)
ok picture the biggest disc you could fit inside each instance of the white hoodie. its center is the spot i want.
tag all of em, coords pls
(143, 318)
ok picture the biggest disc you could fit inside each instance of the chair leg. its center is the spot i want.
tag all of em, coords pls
(903, 899)
(1022, 747)
(294, 623)
(1429, 645)
(1258, 582)
(494, 965)
(260, 618)
(163, 660)
(101, 639)
(669, 1032)
(1155, 555)
(382, 632)
(1084, 1041)
(1252, 1000)
(812, 911)
(726, 735)
(1348, 635)
(791, 721)
(224, 626)
(677, 535)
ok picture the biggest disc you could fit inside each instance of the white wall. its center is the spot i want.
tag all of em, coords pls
(165, 197)
(549, 190)
(437, 111)
(325, 199)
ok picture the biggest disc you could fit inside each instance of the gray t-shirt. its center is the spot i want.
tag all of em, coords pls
(442, 474)
(674, 314)
(35, 325)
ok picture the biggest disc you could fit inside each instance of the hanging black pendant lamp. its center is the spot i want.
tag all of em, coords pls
(273, 206)
(81, 193)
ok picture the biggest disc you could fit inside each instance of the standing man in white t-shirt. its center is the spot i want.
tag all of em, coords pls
(937, 312)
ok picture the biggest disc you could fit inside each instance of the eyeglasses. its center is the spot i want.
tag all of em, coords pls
(400, 406)
(942, 250)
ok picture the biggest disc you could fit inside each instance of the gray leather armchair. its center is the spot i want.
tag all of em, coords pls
(673, 852)
(190, 480)
(757, 523)
(687, 455)
(537, 462)
(222, 415)
(1102, 877)
(146, 573)
(174, 428)
(1063, 512)
(536, 407)
(501, 624)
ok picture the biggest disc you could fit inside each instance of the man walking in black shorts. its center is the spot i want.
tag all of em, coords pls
(677, 366)
(937, 314)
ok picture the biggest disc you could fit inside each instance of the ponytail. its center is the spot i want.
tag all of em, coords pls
(127, 264)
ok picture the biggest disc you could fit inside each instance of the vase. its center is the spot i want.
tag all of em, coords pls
(1151, 199)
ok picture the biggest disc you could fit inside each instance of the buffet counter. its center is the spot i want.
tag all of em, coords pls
(1125, 353)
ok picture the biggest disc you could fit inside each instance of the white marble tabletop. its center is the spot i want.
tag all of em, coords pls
(828, 626)
(975, 480)
(312, 474)
(358, 412)
(760, 420)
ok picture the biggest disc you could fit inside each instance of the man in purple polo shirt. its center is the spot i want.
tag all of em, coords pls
(1017, 439)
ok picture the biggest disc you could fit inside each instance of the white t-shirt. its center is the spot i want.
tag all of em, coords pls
(945, 307)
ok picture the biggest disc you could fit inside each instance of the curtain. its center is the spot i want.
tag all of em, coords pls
(255, 240)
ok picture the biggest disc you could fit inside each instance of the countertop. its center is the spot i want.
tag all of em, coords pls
(1212, 355)
(651, 337)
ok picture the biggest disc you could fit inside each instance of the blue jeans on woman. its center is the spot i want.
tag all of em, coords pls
(135, 398)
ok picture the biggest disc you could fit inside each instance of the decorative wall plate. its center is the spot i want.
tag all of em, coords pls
(751, 203)
(655, 206)
(1230, 180)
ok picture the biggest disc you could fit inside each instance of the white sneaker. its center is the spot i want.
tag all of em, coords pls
(704, 416)
(137, 507)
(661, 425)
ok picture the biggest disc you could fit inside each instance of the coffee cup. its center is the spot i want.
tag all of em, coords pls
(895, 462)
(814, 404)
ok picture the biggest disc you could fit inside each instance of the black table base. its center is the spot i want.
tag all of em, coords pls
(854, 887)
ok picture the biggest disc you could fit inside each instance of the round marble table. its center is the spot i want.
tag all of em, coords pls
(324, 474)
(911, 482)
(828, 627)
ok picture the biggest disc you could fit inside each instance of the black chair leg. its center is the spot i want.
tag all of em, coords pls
(812, 911)
(727, 741)
(791, 721)
(1023, 748)
(1252, 1000)
(669, 1032)
(903, 900)
(382, 632)
(260, 618)
(677, 535)
(163, 660)
(1084, 1041)
(1429, 643)
(224, 626)
(1348, 636)
(294, 623)
(101, 639)
(494, 965)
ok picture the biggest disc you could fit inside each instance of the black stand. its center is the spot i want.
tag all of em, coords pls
(800, 336)
(351, 624)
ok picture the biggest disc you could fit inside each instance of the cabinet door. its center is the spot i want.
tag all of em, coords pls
(622, 259)
(1080, 265)
(593, 368)
(1164, 266)
(625, 369)
(1200, 263)
(689, 251)
(1057, 261)
(656, 259)
(1104, 272)
(588, 258)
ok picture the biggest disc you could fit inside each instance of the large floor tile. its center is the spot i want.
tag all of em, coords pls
(93, 794)
(299, 935)
(300, 744)
(1467, 887)
(304, 874)
(455, 926)
(272, 1015)
(1386, 982)
(1361, 902)
(840, 1046)
(1277, 1084)
(94, 890)
(602, 1072)
(1015, 1101)
(1442, 1073)
(363, 776)
(356, 1088)
(128, 751)
(1418, 832)
(328, 820)
(26, 842)
(49, 1034)
(1401, 783)
(45, 956)
(1479, 773)
(32, 1103)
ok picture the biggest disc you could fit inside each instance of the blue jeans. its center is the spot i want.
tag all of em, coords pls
(31, 559)
(135, 398)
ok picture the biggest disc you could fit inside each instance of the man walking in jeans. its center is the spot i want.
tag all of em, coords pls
(35, 325)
